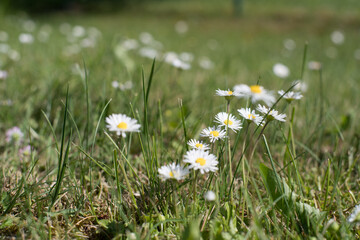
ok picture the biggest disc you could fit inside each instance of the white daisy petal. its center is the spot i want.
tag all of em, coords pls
(228, 120)
(173, 171)
(290, 96)
(195, 144)
(201, 160)
(355, 215)
(256, 93)
(213, 133)
(251, 116)
(121, 124)
(271, 114)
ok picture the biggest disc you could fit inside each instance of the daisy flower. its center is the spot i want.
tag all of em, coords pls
(214, 133)
(173, 171)
(228, 94)
(255, 93)
(195, 144)
(15, 135)
(290, 96)
(271, 115)
(121, 124)
(355, 215)
(251, 116)
(201, 160)
(228, 120)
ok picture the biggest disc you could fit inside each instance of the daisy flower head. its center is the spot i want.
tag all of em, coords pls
(256, 93)
(228, 120)
(251, 116)
(173, 171)
(195, 144)
(214, 133)
(355, 215)
(290, 96)
(228, 94)
(201, 160)
(271, 114)
(121, 124)
(14, 135)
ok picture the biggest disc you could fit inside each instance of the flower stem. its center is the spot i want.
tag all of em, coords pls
(229, 152)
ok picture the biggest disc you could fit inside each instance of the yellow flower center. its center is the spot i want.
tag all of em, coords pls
(228, 122)
(214, 133)
(122, 125)
(251, 116)
(171, 174)
(199, 145)
(201, 161)
(230, 92)
(255, 89)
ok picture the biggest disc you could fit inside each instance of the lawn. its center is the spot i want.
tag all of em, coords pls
(66, 174)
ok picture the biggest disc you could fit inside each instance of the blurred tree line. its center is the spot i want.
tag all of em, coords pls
(40, 6)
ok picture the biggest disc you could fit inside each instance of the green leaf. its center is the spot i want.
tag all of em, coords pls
(289, 203)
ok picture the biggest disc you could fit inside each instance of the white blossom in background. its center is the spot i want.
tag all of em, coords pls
(4, 48)
(169, 57)
(71, 50)
(3, 74)
(130, 44)
(148, 52)
(186, 57)
(43, 36)
(181, 64)
(146, 38)
(206, 63)
(289, 44)
(25, 151)
(281, 70)
(314, 65)
(29, 25)
(4, 36)
(94, 33)
(126, 85)
(26, 38)
(337, 37)
(300, 85)
(14, 135)
(14, 55)
(65, 28)
(87, 43)
(181, 27)
(78, 31)
(115, 84)
(210, 196)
